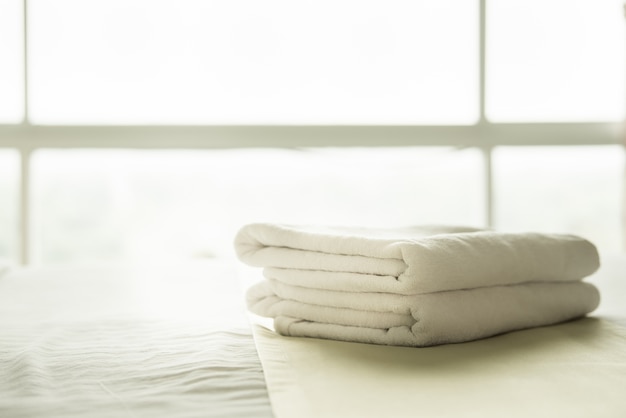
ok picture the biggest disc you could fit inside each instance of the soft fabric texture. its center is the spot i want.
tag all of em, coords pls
(156, 340)
(409, 260)
(415, 286)
(419, 320)
(4, 268)
(574, 370)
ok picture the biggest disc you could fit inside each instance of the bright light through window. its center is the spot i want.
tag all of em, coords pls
(557, 60)
(111, 205)
(11, 62)
(576, 190)
(254, 62)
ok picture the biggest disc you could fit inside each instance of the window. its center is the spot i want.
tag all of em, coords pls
(11, 62)
(289, 62)
(557, 60)
(137, 122)
(561, 189)
(124, 204)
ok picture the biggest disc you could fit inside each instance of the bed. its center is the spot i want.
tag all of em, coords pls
(175, 340)
(128, 341)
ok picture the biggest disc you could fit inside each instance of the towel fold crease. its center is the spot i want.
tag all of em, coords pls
(415, 286)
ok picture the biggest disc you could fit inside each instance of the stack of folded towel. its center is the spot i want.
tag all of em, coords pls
(417, 286)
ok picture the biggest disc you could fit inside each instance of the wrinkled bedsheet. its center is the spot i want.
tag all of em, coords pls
(128, 341)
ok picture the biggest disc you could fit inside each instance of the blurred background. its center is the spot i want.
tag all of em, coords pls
(136, 130)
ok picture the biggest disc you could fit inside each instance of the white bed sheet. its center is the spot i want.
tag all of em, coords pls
(132, 341)
(576, 369)
(128, 341)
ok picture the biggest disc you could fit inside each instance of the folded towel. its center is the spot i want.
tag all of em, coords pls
(419, 320)
(412, 260)
(416, 286)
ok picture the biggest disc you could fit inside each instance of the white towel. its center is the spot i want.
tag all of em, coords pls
(415, 286)
(419, 320)
(412, 260)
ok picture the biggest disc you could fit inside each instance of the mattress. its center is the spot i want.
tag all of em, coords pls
(574, 369)
(175, 340)
(128, 341)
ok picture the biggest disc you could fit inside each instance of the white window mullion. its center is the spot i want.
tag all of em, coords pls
(486, 150)
(25, 226)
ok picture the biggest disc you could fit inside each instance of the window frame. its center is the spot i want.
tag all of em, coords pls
(26, 137)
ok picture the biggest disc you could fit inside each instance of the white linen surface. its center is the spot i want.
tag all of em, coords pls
(166, 341)
(576, 369)
(456, 284)
(411, 260)
(419, 320)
